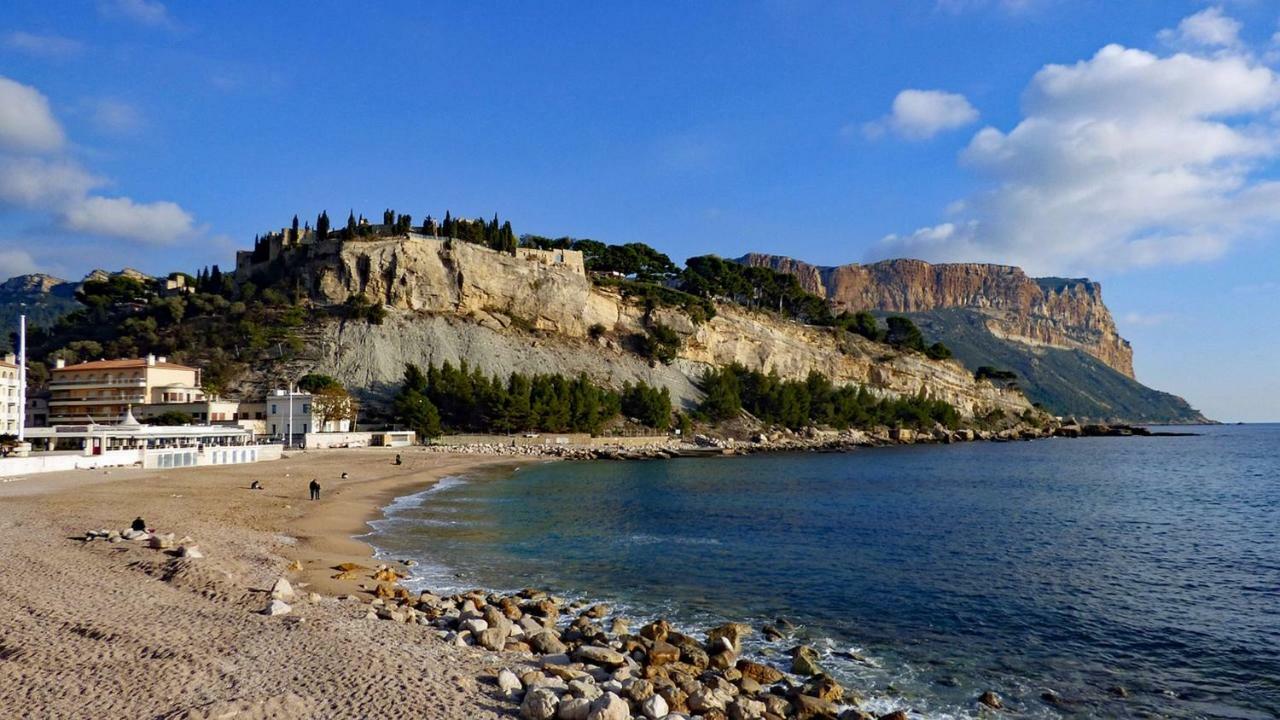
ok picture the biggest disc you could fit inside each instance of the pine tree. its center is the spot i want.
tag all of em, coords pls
(351, 224)
(322, 226)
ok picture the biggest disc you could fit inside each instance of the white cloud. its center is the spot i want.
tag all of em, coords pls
(144, 12)
(158, 222)
(38, 175)
(1209, 28)
(15, 262)
(48, 46)
(116, 117)
(1122, 160)
(921, 114)
(1145, 319)
(40, 183)
(26, 122)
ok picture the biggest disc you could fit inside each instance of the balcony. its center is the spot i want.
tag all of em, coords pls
(115, 382)
(100, 400)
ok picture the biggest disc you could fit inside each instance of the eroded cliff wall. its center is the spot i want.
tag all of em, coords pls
(1054, 312)
(456, 301)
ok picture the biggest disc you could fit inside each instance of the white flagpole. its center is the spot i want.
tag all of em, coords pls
(22, 378)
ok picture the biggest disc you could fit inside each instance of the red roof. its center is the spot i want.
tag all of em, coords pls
(125, 364)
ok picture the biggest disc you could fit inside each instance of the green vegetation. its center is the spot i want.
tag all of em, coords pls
(316, 382)
(171, 418)
(813, 401)
(464, 399)
(658, 342)
(712, 277)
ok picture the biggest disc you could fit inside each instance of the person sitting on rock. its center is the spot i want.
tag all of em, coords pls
(344, 476)
(255, 485)
(315, 489)
(397, 458)
(139, 525)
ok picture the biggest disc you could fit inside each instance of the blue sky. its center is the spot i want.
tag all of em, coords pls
(1132, 142)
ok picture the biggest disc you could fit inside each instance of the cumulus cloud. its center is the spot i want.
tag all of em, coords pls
(921, 114)
(26, 122)
(157, 222)
(47, 46)
(1125, 159)
(143, 12)
(1208, 28)
(37, 174)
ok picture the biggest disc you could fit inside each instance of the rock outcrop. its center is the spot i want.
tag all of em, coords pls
(1054, 312)
(456, 301)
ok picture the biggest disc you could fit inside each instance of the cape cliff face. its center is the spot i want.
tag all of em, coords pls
(535, 312)
(1054, 312)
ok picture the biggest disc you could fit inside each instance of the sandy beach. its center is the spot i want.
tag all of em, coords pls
(99, 629)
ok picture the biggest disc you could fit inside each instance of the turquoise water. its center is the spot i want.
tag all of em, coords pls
(1070, 566)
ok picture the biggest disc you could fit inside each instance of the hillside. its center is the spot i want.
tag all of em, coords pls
(1055, 333)
(1070, 382)
(43, 298)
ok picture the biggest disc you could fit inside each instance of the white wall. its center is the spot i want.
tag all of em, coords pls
(56, 462)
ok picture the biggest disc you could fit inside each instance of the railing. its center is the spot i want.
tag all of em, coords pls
(100, 400)
(128, 382)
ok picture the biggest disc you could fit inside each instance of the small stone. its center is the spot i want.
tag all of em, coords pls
(1118, 691)
(191, 551)
(282, 590)
(161, 542)
(295, 566)
(991, 700)
(895, 715)
(277, 607)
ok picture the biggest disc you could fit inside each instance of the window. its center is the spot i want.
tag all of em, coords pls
(273, 412)
(306, 407)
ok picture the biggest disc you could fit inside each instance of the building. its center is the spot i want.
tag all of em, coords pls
(128, 442)
(102, 391)
(37, 409)
(10, 403)
(305, 416)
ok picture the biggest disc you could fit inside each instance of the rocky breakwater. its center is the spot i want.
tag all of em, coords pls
(572, 661)
(1059, 312)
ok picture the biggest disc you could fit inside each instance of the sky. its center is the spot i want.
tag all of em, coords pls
(1136, 143)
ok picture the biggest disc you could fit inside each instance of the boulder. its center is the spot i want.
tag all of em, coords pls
(539, 704)
(599, 655)
(723, 660)
(771, 633)
(730, 633)
(609, 707)
(804, 661)
(654, 708)
(596, 612)
(191, 551)
(663, 653)
(277, 607)
(825, 688)
(991, 700)
(763, 674)
(895, 715)
(657, 630)
(494, 638)
(746, 709)
(804, 707)
(706, 699)
(508, 683)
(282, 590)
(546, 643)
(161, 542)
(475, 625)
(573, 708)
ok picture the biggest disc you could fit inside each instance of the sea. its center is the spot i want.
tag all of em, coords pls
(1128, 577)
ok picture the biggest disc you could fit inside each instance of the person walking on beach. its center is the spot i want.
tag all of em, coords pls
(315, 489)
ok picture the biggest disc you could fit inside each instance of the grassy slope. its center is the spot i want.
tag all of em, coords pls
(1066, 382)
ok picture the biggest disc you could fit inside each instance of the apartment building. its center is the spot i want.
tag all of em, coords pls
(102, 390)
(10, 408)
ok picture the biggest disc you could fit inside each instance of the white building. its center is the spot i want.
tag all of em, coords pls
(10, 409)
(302, 419)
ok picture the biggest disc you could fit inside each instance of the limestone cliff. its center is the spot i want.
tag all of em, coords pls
(1053, 312)
(535, 311)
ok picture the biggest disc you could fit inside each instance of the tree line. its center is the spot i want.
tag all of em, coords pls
(732, 389)
(463, 398)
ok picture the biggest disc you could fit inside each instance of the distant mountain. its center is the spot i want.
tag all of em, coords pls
(1055, 333)
(43, 298)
